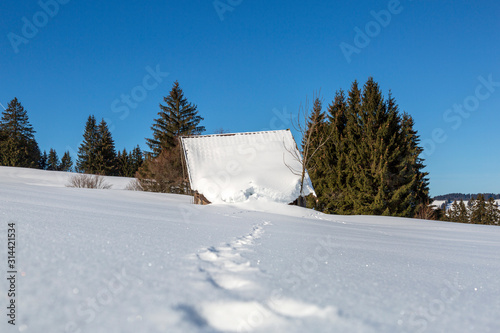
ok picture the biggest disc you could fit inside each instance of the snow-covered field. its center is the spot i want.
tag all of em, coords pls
(122, 261)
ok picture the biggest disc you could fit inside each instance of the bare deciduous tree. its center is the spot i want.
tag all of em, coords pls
(308, 125)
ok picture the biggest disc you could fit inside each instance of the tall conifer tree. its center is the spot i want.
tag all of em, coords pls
(463, 213)
(43, 161)
(162, 169)
(122, 159)
(53, 162)
(354, 159)
(66, 162)
(105, 151)
(478, 210)
(136, 159)
(87, 152)
(453, 213)
(176, 118)
(96, 154)
(492, 212)
(18, 146)
(335, 199)
(313, 147)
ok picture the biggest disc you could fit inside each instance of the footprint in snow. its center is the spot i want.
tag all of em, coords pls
(226, 267)
(228, 270)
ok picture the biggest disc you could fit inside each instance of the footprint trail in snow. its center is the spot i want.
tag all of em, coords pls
(228, 270)
(226, 267)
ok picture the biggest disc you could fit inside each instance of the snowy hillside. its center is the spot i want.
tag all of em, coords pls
(122, 261)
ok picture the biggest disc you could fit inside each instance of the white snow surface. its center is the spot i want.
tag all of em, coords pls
(231, 168)
(123, 261)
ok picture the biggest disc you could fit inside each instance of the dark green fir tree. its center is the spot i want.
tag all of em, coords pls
(129, 162)
(18, 146)
(53, 162)
(43, 161)
(136, 158)
(123, 163)
(335, 199)
(176, 118)
(452, 213)
(105, 151)
(492, 215)
(314, 150)
(463, 213)
(87, 152)
(478, 210)
(66, 162)
(162, 169)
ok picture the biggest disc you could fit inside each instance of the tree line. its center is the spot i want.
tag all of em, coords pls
(362, 153)
(463, 196)
(96, 154)
(478, 210)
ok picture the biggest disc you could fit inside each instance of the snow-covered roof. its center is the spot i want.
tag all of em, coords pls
(237, 167)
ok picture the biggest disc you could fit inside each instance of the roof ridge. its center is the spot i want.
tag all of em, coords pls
(232, 134)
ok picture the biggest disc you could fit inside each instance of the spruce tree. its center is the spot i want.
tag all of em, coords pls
(478, 210)
(470, 203)
(105, 151)
(176, 118)
(129, 162)
(136, 160)
(125, 164)
(313, 150)
(96, 154)
(87, 152)
(463, 213)
(492, 215)
(333, 159)
(43, 161)
(18, 146)
(413, 162)
(122, 163)
(354, 135)
(453, 213)
(66, 162)
(162, 170)
(53, 162)
(375, 156)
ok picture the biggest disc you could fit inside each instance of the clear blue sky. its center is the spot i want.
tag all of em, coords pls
(247, 63)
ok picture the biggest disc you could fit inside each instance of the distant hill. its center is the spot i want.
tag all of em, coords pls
(465, 197)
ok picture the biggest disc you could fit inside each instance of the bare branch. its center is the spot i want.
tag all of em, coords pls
(304, 155)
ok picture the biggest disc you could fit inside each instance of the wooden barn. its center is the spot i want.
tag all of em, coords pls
(228, 168)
